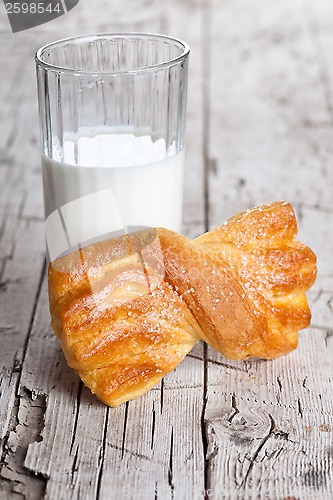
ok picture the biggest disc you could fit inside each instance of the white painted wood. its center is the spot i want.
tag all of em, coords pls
(95, 451)
(270, 424)
(259, 128)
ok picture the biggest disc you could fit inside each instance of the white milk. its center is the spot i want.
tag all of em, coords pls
(106, 182)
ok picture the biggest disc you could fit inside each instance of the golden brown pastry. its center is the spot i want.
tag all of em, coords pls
(127, 310)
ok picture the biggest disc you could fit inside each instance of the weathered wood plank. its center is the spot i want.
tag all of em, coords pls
(272, 128)
(94, 450)
(319, 19)
(19, 287)
(22, 262)
(269, 427)
(259, 119)
(157, 455)
(18, 294)
(153, 444)
(269, 424)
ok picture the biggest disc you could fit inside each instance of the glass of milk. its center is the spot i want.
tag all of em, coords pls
(112, 112)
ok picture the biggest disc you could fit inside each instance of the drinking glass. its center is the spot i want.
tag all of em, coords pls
(112, 114)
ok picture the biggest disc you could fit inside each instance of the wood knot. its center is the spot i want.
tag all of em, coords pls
(240, 428)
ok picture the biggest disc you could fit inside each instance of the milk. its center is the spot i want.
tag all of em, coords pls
(106, 181)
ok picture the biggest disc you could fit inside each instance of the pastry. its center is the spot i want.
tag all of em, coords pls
(127, 310)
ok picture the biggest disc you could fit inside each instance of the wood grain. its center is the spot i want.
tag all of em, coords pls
(260, 127)
(269, 424)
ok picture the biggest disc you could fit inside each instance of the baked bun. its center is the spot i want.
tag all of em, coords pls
(127, 310)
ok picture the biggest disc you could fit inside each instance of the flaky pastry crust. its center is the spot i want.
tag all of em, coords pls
(127, 310)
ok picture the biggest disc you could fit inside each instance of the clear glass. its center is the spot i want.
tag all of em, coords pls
(112, 113)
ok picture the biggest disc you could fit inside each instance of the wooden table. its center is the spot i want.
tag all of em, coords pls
(260, 128)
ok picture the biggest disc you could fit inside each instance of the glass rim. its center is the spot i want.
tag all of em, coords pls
(77, 38)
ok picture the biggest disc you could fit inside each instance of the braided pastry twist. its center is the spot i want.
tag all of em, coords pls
(127, 310)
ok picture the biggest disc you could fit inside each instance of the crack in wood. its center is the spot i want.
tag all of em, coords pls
(124, 430)
(279, 392)
(299, 407)
(74, 467)
(8, 329)
(234, 407)
(329, 303)
(213, 450)
(27, 424)
(17, 364)
(4, 284)
(218, 363)
(77, 411)
(170, 471)
(153, 427)
(182, 387)
(193, 356)
(204, 428)
(162, 395)
(14, 422)
(317, 297)
(257, 451)
(225, 365)
(189, 457)
(134, 454)
(304, 382)
(101, 457)
(328, 335)
(279, 383)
